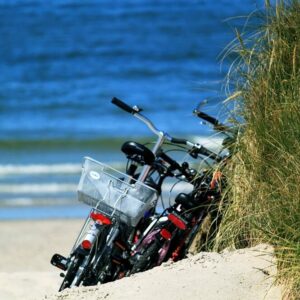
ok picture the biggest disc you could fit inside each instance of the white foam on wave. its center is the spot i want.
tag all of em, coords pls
(40, 169)
(45, 169)
(37, 188)
(28, 201)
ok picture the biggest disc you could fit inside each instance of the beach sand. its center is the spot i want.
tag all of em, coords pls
(26, 273)
(26, 250)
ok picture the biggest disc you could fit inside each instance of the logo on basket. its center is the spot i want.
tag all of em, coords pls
(94, 175)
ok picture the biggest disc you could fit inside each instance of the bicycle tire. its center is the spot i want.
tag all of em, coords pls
(146, 259)
(71, 272)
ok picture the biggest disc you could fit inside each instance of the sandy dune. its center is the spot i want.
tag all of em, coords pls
(26, 248)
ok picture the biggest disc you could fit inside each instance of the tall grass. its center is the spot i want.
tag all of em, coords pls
(264, 176)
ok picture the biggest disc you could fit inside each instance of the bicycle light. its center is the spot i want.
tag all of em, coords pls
(103, 220)
(177, 221)
(166, 234)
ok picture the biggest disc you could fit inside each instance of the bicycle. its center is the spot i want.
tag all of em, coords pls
(122, 206)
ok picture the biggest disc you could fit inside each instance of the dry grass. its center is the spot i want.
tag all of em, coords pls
(264, 176)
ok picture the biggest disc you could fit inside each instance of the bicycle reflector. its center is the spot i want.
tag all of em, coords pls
(103, 220)
(166, 234)
(177, 221)
(86, 244)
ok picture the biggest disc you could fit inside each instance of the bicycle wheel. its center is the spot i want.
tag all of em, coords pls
(148, 259)
(73, 267)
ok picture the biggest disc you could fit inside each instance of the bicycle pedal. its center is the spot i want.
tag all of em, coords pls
(59, 261)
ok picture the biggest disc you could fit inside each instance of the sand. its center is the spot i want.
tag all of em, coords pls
(26, 250)
(26, 273)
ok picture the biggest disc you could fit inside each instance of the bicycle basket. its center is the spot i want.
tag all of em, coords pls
(114, 193)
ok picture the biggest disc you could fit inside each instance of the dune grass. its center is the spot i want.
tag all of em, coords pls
(264, 176)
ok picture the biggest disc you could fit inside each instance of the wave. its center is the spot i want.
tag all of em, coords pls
(28, 201)
(46, 169)
(39, 169)
(37, 188)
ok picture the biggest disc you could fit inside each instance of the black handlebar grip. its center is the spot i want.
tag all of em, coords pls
(207, 118)
(122, 105)
(169, 160)
(210, 154)
(178, 141)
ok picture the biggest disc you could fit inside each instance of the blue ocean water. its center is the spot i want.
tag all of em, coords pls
(62, 61)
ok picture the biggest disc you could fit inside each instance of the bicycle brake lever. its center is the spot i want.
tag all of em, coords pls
(193, 152)
(137, 109)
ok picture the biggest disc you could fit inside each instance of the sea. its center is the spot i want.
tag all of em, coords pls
(61, 63)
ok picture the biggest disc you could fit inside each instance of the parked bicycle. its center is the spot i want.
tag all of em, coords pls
(174, 230)
(123, 205)
(179, 225)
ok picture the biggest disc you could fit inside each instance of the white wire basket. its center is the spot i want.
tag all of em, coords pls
(113, 193)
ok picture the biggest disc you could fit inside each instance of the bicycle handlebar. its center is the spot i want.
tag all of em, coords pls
(196, 148)
(216, 124)
(206, 117)
(204, 151)
(184, 169)
(123, 105)
(136, 112)
(175, 165)
(179, 141)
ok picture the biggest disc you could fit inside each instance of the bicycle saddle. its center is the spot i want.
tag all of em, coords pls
(138, 152)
